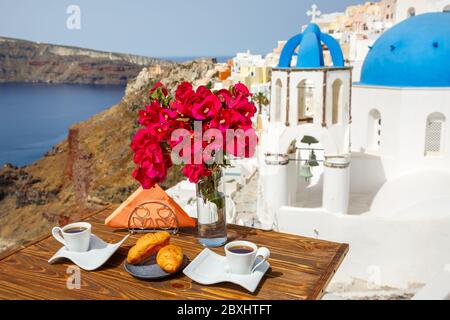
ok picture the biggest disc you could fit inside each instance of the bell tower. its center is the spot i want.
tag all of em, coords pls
(310, 96)
(307, 91)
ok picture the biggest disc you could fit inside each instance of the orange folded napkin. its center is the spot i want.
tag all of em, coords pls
(120, 217)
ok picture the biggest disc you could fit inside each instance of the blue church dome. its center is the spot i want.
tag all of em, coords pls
(414, 53)
(310, 53)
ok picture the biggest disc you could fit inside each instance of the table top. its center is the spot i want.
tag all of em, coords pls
(300, 269)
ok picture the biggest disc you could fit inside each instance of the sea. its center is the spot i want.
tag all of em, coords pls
(220, 59)
(35, 117)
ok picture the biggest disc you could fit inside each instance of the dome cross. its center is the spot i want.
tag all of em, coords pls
(314, 13)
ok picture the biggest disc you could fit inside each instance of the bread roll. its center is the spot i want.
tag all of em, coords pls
(147, 245)
(170, 258)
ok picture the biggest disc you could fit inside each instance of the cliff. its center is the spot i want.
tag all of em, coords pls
(26, 61)
(88, 170)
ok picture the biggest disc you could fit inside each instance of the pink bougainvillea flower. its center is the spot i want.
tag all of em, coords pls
(240, 89)
(148, 173)
(157, 85)
(225, 119)
(207, 108)
(141, 139)
(187, 146)
(167, 115)
(184, 92)
(224, 95)
(161, 131)
(194, 172)
(213, 140)
(146, 146)
(183, 109)
(202, 92)
(150, 114)
(241, 144)
(243, 106)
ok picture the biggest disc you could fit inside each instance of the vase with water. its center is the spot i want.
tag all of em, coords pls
(211, 213)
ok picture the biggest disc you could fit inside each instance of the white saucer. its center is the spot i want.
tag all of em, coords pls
(209, 268)
(99, 252)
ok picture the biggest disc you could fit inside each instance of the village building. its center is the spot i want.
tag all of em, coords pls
(379, 174)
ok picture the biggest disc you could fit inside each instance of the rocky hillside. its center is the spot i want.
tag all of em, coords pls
(89, 169)
(26, 61)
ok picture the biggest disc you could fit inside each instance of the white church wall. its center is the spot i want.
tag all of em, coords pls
(383, 251)
(337, 141)
(296, 78)
(357, 67)
(404, 8)
(384, 100)
(417, 105)
(336, 184)
(406, 195)
(278, 77)
(367, 173)
(403, 119)
(443, 5)
(358, 49)
(297, 132)
(404, 113)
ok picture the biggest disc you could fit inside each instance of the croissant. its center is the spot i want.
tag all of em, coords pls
(170, 258)
(147, 245)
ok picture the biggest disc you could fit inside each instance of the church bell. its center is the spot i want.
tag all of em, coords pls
(305, 172)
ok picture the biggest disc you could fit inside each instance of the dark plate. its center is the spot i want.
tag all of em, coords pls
(150, 270)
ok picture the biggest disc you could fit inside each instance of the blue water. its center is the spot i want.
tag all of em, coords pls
(34, 117)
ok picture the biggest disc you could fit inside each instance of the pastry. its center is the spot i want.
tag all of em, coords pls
(147, 245)
(170, 258)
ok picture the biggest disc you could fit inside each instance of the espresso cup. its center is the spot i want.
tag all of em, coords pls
(75, 236)
(241, 256)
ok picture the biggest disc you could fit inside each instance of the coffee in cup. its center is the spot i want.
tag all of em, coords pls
(241, 256)
(75, 236)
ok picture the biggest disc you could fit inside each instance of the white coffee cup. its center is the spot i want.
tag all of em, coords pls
(74, 241)
(244, 263)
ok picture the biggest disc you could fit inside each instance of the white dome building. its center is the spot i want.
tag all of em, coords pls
(308, 98)
(398, 217)
(400, 118)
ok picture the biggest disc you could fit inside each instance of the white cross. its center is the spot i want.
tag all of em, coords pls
(313, 13)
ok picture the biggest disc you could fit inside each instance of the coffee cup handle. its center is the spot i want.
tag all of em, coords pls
(56, 234)
(264, 253)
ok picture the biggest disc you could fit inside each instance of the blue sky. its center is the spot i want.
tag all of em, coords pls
(162, 28)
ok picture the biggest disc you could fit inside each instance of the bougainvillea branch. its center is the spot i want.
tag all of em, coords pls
(208, 125)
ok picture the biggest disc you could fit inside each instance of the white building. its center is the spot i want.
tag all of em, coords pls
(246, 60)
(308, 99)
(360, 25)
(388, 194)
(252, 70)
(408, 8)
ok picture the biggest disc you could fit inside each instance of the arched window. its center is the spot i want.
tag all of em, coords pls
(305, 100)
(337, 102)
(278, 89)
(446, 8)
(374, 130)
(411, 12)
(434, 134)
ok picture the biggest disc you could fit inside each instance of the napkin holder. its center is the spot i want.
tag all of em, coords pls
(141, 220)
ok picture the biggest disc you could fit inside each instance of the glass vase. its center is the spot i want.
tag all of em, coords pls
(211, 211)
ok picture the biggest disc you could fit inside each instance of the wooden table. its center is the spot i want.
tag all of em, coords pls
(300, 269)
